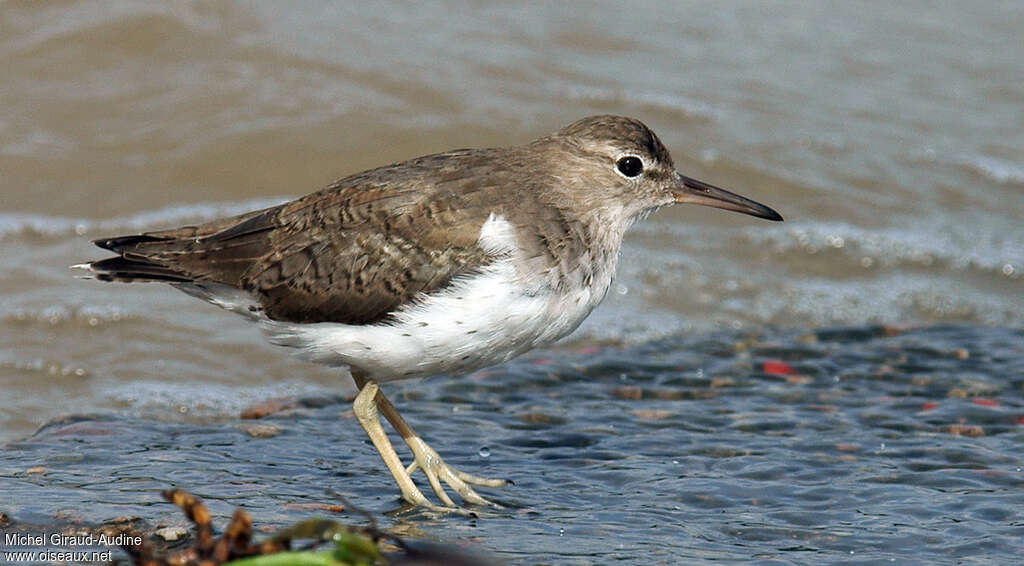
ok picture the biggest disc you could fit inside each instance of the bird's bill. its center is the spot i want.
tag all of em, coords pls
(698, 192)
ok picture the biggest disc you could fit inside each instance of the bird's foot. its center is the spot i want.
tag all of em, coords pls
(428, 460)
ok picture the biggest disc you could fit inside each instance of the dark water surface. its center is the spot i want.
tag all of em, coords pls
(857, 445)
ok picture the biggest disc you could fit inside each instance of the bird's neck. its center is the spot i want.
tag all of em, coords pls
(598, 241)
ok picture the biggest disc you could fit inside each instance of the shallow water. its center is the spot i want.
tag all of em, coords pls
(855, 445)
(890, 137)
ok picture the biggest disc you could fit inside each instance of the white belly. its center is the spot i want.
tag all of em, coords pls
(475, 322)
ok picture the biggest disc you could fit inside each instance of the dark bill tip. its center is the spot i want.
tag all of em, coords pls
(698, 192)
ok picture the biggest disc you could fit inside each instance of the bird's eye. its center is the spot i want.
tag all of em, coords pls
(630, 166)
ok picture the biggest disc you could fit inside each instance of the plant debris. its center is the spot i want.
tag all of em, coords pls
(353, 546)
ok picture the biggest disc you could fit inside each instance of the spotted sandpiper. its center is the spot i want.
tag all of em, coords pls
(438, 265)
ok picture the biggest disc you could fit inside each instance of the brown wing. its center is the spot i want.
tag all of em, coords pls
(352, 252)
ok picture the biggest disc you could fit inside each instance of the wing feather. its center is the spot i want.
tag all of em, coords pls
(351, 253)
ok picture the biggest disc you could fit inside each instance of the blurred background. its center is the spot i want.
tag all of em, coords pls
(890, 136)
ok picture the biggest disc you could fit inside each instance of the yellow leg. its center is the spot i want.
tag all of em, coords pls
(428, 460)
(366, 406)
(366, 413)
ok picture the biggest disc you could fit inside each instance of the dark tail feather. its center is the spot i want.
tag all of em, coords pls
(121, 242)
(129, 270)
(214, 252)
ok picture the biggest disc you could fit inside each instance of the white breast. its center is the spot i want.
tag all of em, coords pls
(477, 321)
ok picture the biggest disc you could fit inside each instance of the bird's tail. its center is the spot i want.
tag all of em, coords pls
(217, 251)
(127, 270)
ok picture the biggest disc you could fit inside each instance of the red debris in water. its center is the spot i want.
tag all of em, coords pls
(777, 367)
(928, 406)
(1020, 419)
(985, 402)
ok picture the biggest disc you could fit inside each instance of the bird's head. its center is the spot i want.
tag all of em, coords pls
(623, 163)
